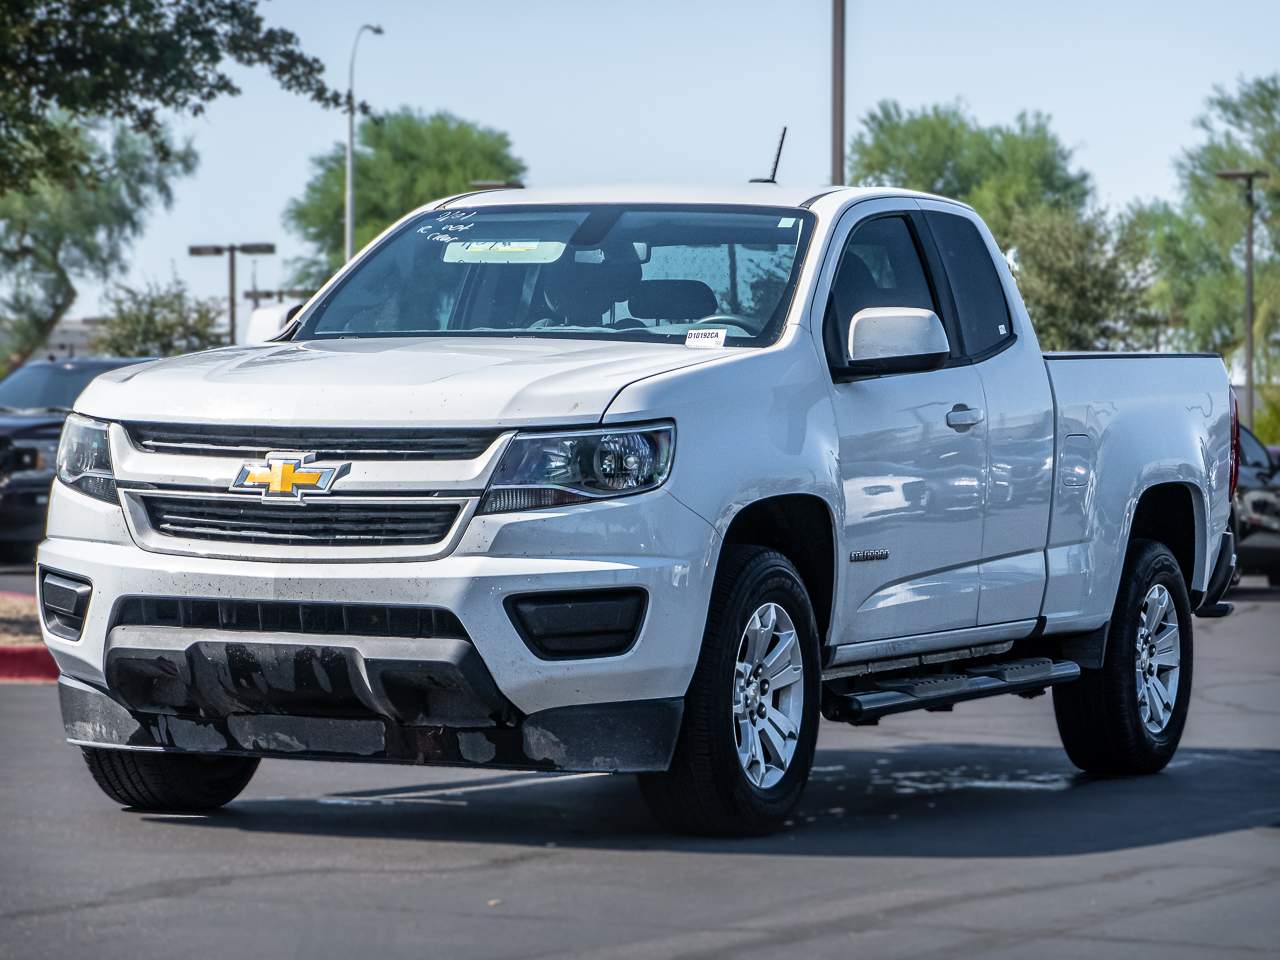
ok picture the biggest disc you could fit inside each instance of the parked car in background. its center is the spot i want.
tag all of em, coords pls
(1258, 510)
(34, 401)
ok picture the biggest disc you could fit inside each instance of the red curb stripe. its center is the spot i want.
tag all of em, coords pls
(31, 663)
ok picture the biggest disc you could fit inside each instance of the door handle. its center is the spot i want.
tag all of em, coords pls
(962, 417)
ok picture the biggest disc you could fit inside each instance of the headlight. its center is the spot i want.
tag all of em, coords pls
(556, 469)
(84, 458)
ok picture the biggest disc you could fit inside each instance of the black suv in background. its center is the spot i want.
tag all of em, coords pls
(1258, 510)
(34, 401)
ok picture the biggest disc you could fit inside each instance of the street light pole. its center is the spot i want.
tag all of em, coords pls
(231, 249)
(837, 92)
(1247, 177)
(349, 221)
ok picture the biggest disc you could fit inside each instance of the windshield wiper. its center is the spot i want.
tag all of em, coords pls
(51, 408)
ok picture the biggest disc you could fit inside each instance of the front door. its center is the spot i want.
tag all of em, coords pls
(912, 460)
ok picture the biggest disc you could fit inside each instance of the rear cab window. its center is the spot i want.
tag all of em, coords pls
(981, 307)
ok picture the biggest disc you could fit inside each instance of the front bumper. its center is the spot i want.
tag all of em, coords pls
(650, 541)
(632, 737)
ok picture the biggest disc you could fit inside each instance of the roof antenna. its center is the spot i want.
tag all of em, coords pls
(773, 174)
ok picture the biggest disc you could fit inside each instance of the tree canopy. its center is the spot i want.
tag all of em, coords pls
(125, 60)
(54, 234)
(1079, 274)
(1197, 241)
(404, 159)
(158, 320)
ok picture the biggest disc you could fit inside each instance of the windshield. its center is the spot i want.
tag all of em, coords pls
(47, 385)
(599, 272)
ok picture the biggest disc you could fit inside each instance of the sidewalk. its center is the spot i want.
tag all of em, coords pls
(23, 656)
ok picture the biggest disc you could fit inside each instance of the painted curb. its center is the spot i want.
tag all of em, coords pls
(31, 663)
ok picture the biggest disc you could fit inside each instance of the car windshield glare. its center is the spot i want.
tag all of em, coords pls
(601, 272)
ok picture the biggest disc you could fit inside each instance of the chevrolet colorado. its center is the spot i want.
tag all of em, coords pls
(634, 480)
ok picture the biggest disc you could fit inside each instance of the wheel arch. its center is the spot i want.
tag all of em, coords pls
(1173, 514)
(802, 528)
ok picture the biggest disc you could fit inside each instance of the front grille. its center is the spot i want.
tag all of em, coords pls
(327, 443)
(279, 616)
(332, 523)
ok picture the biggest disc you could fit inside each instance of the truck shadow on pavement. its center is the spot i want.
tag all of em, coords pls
(935, 800)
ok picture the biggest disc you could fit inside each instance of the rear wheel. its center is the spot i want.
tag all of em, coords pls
(169, 781)
(751, 713)
(1128, 717)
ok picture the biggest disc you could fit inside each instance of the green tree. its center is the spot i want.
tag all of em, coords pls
(125, 60)
(1080, 273)
(404, 159)
(52, 235)
(158, 320)
(1196, 244)
(1000, 170)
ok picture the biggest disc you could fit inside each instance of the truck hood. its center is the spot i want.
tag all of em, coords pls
(454, 381)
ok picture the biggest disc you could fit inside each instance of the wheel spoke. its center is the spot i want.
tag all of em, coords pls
(786, 676)
(1162, 693)
(780, 654)
(758, 634)
(779, 721)
(776, 741)
(1154, 703)
(744, 742)
(755, 755)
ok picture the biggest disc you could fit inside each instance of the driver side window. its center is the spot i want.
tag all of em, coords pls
(880, 267)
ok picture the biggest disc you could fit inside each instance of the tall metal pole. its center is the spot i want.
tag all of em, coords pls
(231, 284)
(837, 92)
(349, 204)
(1248, 305)
(1247, 177)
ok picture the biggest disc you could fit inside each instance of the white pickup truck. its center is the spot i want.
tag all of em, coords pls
(634, 480)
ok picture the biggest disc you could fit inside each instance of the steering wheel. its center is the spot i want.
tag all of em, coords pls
(722, 319)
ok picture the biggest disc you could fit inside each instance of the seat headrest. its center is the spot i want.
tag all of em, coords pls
(672, 300)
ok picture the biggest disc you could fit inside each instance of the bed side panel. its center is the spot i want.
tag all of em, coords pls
(1124, 425)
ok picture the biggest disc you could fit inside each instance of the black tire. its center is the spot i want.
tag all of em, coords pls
(1099, 717)
(706, 790)
(169, 781)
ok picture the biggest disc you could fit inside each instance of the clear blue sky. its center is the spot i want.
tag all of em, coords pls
(697, 90)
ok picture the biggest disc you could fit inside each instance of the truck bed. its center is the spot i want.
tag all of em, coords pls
(1137, 419)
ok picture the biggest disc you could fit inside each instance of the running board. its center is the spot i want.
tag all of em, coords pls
(931, 691)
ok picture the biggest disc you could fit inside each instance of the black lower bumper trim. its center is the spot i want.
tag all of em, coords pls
(1220, 580)
(631, 737)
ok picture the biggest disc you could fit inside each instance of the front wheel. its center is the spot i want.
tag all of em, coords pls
(1127, 717)
(169, 781)
(751, 714)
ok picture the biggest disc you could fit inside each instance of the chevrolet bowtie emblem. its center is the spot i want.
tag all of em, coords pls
(285, 476)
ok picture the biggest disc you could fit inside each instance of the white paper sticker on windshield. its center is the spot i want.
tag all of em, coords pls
(704, 339)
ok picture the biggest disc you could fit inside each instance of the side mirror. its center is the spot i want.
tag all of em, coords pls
(895, 340)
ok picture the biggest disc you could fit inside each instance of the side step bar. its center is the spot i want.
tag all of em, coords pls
(933, 691)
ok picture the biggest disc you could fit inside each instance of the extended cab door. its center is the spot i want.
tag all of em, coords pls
(912, 451)
(996, 338)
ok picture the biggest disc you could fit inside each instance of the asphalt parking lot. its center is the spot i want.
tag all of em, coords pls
(933, 835)
(17, 577)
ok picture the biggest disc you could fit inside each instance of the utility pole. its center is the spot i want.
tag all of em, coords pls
(231, 249)
(1247, 177)
(837, 92)
(349, 223)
